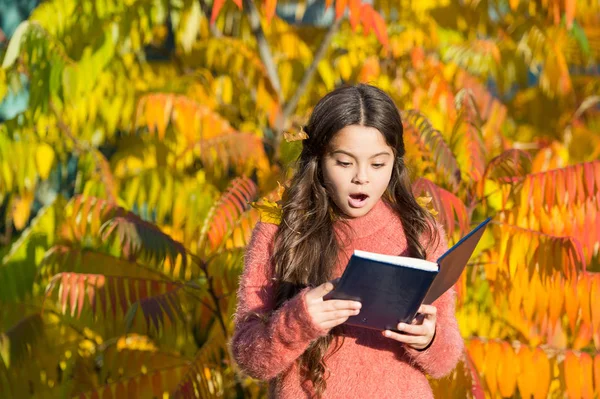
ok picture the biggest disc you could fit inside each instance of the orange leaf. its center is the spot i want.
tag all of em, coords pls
(571, 303)
(587, 376)
(158, 111)
(572, 374)
(270, 6)
(328, 4)
(597, 373)
(525, 382)
(238, 3)
(514, 4)
(492, 358)
(477, 352)
(340, 7)
(595, 310)
(584, 335)
(570, 6)
(541, 365)
(583, 292)
(507, 371)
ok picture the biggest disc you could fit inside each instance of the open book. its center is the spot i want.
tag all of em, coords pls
(392, 288)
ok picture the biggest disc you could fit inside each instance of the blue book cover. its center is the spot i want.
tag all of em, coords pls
(392, 288)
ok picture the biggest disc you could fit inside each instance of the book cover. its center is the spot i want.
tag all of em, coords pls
(392, 288)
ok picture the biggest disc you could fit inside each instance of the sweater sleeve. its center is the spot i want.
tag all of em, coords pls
(267, 342)
(443, 354)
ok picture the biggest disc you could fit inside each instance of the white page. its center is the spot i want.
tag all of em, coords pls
(414, 263)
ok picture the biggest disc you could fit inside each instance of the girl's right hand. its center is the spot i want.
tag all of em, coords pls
(330, 313)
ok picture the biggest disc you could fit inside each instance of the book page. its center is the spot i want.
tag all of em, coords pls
(406, 261)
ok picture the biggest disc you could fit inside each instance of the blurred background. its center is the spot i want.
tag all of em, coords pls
(141, 140)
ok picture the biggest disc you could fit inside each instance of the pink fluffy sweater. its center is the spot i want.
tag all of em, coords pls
(368, 365)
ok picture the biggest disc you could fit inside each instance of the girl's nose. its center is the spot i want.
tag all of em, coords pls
(360, 177)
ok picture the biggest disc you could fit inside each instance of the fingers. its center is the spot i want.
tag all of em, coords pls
(414, 329)
(319, 292)
(428, 310)
(334, 316)
(417, 341)
(339, 304)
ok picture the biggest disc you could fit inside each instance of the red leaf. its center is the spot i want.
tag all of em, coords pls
(476, 388)
(366, 18)
(81, 288)
(217, 5)
(270, 6)
(380, 29)
(446, 203)
(340, 7)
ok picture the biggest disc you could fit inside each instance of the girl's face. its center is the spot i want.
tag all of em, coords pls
(357, 168)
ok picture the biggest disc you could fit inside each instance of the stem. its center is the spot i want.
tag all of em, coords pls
(101, 164)
(263, 47)
(291, 105)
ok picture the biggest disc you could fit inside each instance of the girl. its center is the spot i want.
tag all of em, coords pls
(350, 191)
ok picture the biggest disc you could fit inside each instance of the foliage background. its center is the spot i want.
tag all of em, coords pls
(135, 134)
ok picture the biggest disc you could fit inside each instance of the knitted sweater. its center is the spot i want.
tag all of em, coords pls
(367, 364)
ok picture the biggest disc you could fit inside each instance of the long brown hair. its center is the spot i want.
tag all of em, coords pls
(306, 246)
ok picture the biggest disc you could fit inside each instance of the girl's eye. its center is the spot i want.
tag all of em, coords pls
(378, 165)
(344, 164)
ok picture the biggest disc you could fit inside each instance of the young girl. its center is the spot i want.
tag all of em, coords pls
(350, 191)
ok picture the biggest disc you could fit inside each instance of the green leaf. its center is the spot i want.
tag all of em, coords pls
(579, 35)
(12, 52)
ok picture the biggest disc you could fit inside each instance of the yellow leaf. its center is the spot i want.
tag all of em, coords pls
(44, 159)
(269, 211)
(326, 73)
(295, 136)
(345, 67)
(22, 210)
(425, 203)
(3, 85)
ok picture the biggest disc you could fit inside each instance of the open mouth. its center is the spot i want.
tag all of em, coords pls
(357, 200)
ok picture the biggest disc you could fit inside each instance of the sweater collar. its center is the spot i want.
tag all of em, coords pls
(363, 226)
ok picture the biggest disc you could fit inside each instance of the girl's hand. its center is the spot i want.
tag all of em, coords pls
(330, 313)
(417, 335)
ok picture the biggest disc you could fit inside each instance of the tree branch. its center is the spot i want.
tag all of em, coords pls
(263, 47)
(291, 105)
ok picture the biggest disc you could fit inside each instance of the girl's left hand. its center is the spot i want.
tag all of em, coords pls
(419, 334)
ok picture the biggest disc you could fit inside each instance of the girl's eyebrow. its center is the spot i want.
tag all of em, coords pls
(352, 155)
